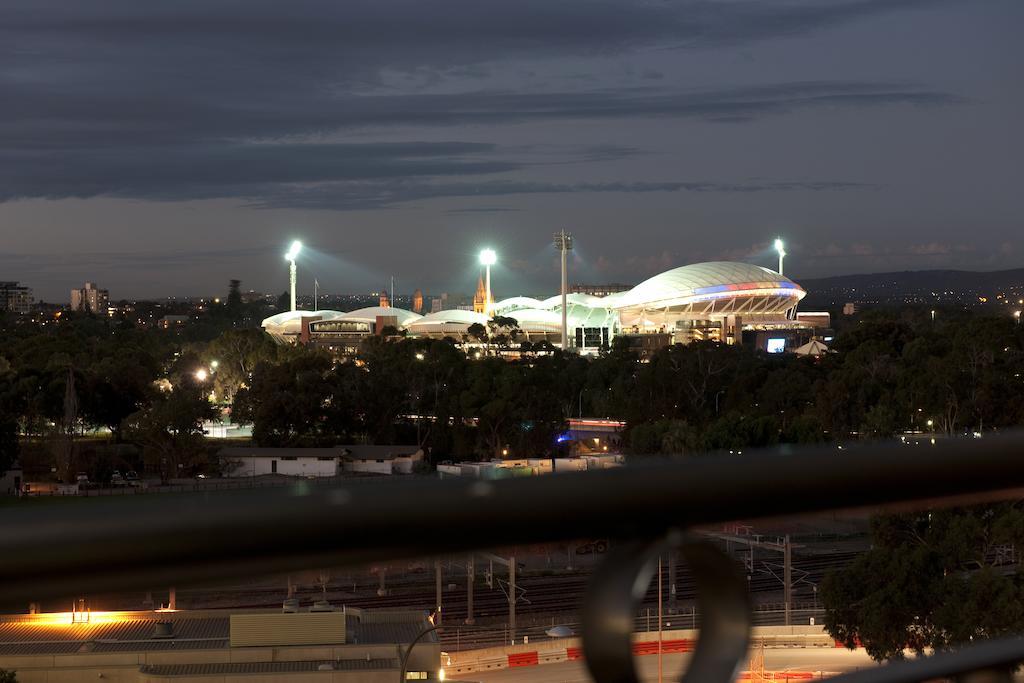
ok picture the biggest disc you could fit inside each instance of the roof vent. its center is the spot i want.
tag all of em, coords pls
(163, 629)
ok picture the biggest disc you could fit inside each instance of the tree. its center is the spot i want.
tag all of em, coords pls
(7, 676)
(931, 580)
(170, 429)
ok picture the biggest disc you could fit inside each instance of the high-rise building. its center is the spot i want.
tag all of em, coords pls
(15, 298)
(384, 301)
(89, 299)
(439, 303)
(417, 301)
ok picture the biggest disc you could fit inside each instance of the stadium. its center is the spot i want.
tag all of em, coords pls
(723, 301)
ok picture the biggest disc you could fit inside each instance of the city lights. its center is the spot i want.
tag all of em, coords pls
(201, 374)
(293, 253)
(487, 259)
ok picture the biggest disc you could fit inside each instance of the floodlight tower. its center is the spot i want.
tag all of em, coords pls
(780, 247)
(563, 243)
(293, 253)
(487, 259)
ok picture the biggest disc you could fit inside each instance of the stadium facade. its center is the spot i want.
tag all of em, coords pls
(722, 301)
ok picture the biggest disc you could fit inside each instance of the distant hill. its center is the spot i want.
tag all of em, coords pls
(920, 279)
(961, 286)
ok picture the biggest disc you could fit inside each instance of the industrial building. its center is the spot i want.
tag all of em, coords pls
(722, 301)
(339, 645)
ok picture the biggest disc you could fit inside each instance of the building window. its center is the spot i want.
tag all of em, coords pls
(328, 458)
(415, 675)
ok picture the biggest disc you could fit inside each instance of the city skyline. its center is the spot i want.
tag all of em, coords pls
(163, 153)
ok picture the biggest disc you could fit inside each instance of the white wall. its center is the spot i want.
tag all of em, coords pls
(300, 467)
(10, 482)
(368, 466)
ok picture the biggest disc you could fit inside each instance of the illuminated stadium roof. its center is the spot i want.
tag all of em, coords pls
(289, 323)
(371, 313)
(708, 282)
(451, 322)
(516, 303)
(702, 291)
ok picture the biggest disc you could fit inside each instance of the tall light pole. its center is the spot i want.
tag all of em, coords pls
(293, 253)
(780, 247)
(487, 259)
(563, 243)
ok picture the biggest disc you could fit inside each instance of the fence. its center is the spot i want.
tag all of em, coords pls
(103, 548)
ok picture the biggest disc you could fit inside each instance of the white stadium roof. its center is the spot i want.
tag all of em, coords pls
(450, 322)
(706, 281)
(371, 313)
(696, 292)
(516, 303)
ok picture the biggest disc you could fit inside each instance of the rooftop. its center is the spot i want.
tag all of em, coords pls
(52, 634)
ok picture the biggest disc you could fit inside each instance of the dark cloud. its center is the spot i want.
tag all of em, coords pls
(361, 196)
(288, 173)
(200, 99)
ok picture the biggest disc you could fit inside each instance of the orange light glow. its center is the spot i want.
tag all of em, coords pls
(67, 619)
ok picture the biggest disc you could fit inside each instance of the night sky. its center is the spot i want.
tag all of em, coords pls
(163, 148)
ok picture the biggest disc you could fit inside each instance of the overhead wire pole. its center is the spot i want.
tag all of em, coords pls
(512, 596)
(787, 578)
(470, 577)
(437, 583)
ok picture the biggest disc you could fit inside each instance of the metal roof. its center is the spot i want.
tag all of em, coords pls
(24, 635)
(370, 314)
(715, 278)
(242, 668)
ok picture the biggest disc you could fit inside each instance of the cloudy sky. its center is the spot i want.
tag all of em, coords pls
(163, 148)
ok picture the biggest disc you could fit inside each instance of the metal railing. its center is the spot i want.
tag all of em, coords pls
(142, 542)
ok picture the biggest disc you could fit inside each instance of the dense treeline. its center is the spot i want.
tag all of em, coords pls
(931, 580)
(890, 372)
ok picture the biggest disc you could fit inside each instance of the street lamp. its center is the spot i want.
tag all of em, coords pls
(201, 374)
(780, 247)
(563, 243)
(293, 253)
(487, 259)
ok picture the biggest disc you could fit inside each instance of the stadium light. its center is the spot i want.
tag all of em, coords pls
(563, 243)
(487, 258)
(781, 248)
(293, 253)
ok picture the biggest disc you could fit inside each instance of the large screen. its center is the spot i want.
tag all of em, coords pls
(776, 345)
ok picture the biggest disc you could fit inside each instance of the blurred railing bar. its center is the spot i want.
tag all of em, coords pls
(140, 542)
